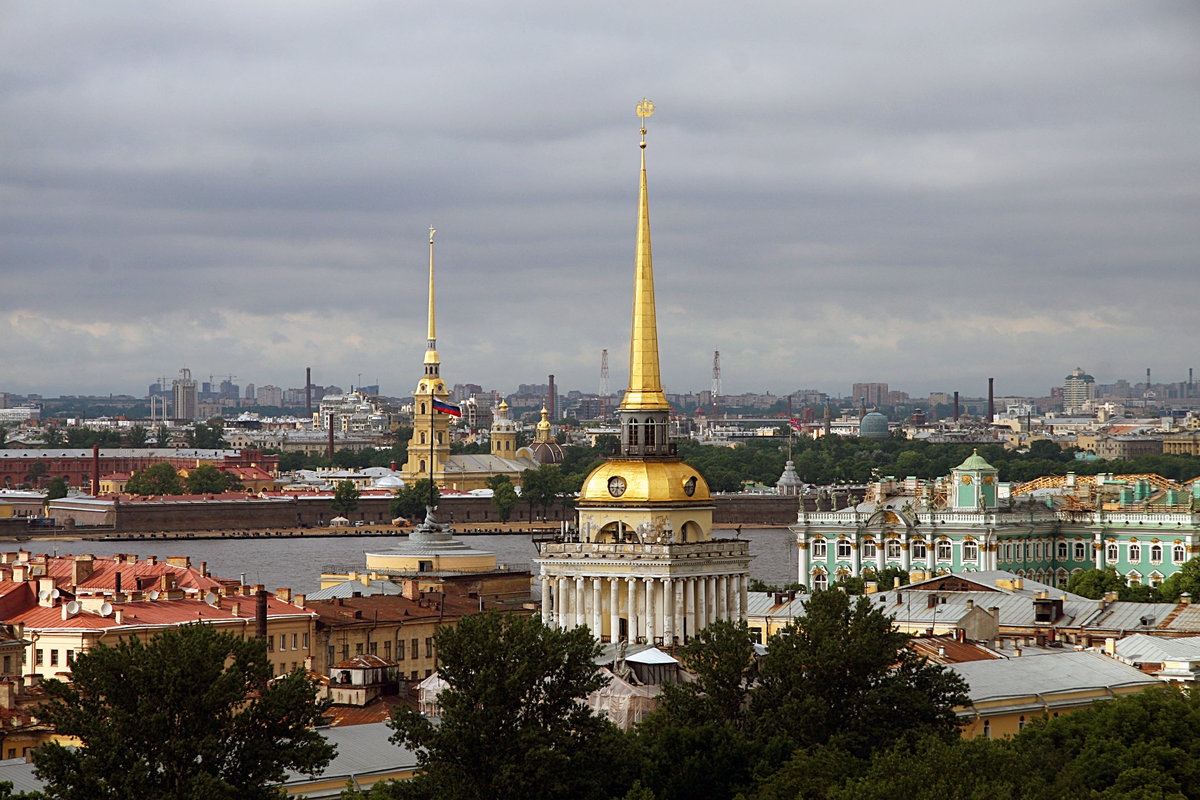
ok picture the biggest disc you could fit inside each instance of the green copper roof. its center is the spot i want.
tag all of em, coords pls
(975, 461)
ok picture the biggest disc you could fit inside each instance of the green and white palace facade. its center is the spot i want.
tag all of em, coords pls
(1143, 526)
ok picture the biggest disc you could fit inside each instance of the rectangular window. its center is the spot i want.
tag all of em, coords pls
(306, 641)
(868, 549)
(400, 650)
(7, 665)
(295, 641)
(345, 651)
(893, 549)
(358, 648)
(54, 657)
(37, 656)
(373, 648)
(970, 551)
(429, 647)
(70, 656)
(416, 648)
(331, 655)
(282, 642)
(843, 548)
(818, 549)
(387, 649)
(918, 551)
(945, 551)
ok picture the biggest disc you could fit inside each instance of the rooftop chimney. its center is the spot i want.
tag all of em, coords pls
(956, 406)
(260, 614)
(991, 417)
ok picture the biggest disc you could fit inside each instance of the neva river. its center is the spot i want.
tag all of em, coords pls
(296, 562)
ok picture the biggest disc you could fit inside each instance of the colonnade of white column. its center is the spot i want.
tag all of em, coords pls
(665, 609)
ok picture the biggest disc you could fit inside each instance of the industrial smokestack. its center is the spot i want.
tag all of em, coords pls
(95, 470)
(991, 400)
(330, 454)
(308, 392)
(550, 401)
(956, 406)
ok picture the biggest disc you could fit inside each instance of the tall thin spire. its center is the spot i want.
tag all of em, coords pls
(431, 355)
(645, 391)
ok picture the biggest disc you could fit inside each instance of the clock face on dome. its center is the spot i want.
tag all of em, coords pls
(689, 486)
(616, 486)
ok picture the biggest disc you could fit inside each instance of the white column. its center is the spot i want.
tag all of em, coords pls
(743, 596)
(855, 555)
(1098, 549)
(711, 599)
(730, 602)
(652, 627)
(679, 611)
(802, 558)
(597, 623)
(669, 630)
(701, 604)
(905, 553)
(561, 602)
(580, 603)
(722, 598)
(636, 619)
(614, 609)
(880, 557)
(689, 607)
(546, 606)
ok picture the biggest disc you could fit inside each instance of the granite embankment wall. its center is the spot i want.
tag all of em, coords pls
(465, 513)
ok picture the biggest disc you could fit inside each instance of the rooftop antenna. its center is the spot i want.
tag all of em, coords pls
(604, 383)
(716, 380)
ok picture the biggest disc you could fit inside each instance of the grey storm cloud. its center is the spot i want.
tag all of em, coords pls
(927, 194)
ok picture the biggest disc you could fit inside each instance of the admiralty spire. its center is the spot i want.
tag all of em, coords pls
(646, 567)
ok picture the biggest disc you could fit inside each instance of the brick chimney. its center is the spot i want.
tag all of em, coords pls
(82, 569)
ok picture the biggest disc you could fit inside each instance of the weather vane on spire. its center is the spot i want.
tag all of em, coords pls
(644, 109)
(432, 231)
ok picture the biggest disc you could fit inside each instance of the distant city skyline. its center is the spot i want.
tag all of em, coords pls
(921, 194)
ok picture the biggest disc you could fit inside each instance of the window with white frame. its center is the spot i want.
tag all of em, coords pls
(945, 552)
(843, 548)
(1135, 553)
(868, 548)
(893, 548)
(1156, 553)
(1179, 554)
(1062, 551)
(918, 550)
(970, 551)
(819, 548)
(1080, 551)
(820, 582)
(1110, 552)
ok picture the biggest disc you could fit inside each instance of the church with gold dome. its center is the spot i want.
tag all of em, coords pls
(645, 566)
(429, 448)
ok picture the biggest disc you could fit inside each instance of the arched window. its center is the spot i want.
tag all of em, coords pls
(819, 549)
(1062, 551)
(1135, 553)
(893, 548)
(970, 551)
(1156, 553)
(1179, 554)
(945, 551)
(820, 582)
(1080, 551)
(423, 437)
(868, 548)
(422, 408)
(918, 550)
(987, 729)
(843, 548)
(1110, 552)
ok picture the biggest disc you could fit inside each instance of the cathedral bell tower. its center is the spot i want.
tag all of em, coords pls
(429, 448)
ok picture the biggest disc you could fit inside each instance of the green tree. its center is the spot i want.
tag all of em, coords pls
(345, 498)
(157, 479)
(512, 723)
(1095, 583)
(410, 500)
(207, 436)
(57, 488)
(53, 436)
(192, 713)
(1187, 579)
(207, 479)
(37, 471)
(162, 436)
(136, 436)
(504, 495)
(843, 676)
(541, 487)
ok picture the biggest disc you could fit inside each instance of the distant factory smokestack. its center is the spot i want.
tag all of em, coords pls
(991, 417)
(308, 392)
(550, 402)
(95, 470)
(330, 436)
(956, 406)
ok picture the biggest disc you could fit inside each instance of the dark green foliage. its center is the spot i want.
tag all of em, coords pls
(1095, 583)
(345, 498)
(191, 714)
(1187, 579)
(410, 500)
(542, 488)
(207, 436)
(842, 676)
(156, 479)
(56, 489)
(136, 436)
(207, 479)
(512, 725)
(504, 495)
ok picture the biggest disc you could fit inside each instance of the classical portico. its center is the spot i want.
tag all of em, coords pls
(645, 566)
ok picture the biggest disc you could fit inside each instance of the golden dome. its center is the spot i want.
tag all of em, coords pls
(637, 482)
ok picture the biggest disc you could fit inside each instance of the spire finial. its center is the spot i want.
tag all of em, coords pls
(644, 110)
(431, 356)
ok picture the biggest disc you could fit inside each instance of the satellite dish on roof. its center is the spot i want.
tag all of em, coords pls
(210, 598)
(105, 609)
(44, 595)
(54, 594)
(154, 594)
(73, 607)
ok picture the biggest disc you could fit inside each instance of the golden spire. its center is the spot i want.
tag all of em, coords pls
(645, 391)
(431, 355)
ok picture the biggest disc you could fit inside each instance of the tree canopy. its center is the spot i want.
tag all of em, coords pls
(156, 479)
(345, 498)
(512, 724)
(504, 495)
(207, 479)
(410, 500)
(193, 713)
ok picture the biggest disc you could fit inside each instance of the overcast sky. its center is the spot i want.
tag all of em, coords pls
(926, 194)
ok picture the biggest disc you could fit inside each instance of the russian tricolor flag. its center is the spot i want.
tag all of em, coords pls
(446, 408)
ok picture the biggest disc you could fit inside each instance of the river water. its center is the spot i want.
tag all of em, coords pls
(297, 562)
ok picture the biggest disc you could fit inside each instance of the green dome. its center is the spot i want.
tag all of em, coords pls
(975, 461)
(873, 426)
